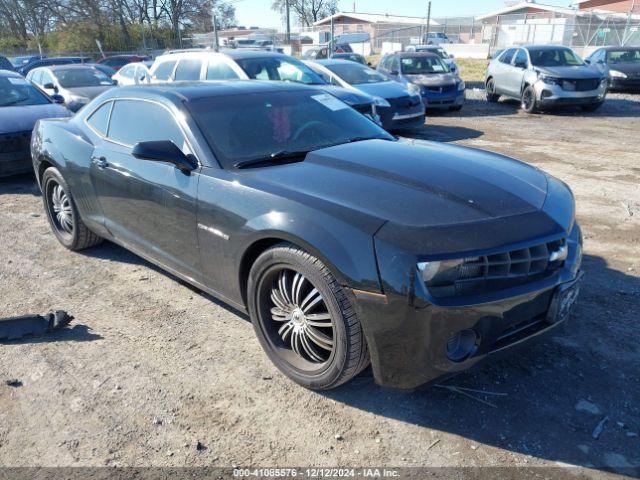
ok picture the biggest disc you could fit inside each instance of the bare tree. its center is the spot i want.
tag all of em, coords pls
(307, 12)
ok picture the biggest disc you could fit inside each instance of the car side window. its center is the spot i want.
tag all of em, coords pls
(99, 120)
(127, 72)
(521, 59)
(37, 77)
(188, 69)
(47, 78)
(219, 70)
(395, 64)
(508, 56)
(152, 123)
(164, 70)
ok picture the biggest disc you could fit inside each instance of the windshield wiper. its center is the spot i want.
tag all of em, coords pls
(364, 139)
(275, 156)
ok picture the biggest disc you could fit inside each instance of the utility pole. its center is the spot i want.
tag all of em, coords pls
(288, 36)
(216, 44)
(330, 52)
(426, 37)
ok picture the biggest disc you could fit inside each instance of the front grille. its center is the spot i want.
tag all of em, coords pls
(498, 271)
(404, 102)
(15, 142)
(584, 85)
(444, 89)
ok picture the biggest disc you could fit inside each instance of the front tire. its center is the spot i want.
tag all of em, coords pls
(304, 320)
(63, 214)
(490, 89)
(529, 103)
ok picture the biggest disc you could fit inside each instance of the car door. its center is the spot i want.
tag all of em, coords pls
(501, 71)
(149, 206)
(514, 74)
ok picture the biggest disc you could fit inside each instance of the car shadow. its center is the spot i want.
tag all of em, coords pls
(531, 402)
(24, 184)
(77, 333)
(113, 252)
(442, 133)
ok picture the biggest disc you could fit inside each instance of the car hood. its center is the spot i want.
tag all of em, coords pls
(350, 97)
(23, 118)
(433, 79)
(577, 73)
(626, 67)
(88, 92)
(415, 184)
(384, 89)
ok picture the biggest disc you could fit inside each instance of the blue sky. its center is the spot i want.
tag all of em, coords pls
(259, 13)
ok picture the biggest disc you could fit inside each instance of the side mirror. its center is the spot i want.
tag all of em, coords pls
(369, 64)
(587, 61)
(452, 56)
(395, 73)
(50, 86)
(164, 151)
(59, 99)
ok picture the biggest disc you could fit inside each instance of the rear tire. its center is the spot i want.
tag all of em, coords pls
(63, 214)
(287, 289)
(529, 103)
(490, 89)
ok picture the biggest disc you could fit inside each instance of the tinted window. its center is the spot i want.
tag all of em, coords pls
(218, 70)
(151, 121)
(624, 56)
(99, 119)
(127, 72)
(164, 70)
(188, 69)
(278, 121)
(116, 62)
(508, 55)
(16, 91)
(279, 68)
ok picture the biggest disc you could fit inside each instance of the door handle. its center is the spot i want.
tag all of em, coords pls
(100, 162)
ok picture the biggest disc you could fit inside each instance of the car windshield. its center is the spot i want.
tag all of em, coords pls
(356, 74)
(82, 77)
(280, 123)
(16, 91)
(276, 68)
(21, 61)
(554, 57)
(423, 65)
(623, 56)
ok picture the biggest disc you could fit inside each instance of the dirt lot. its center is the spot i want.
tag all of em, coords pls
(155, 374)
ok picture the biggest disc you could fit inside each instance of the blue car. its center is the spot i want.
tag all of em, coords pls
(21, 106)
(397, 107)
(425, 73)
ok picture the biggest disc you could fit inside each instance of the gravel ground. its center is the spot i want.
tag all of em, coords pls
(154, 373)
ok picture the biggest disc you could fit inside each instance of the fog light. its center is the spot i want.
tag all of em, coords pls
(462, 345)
(547, 94)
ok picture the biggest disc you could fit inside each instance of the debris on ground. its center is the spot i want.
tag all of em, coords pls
(338, 437)
(15, 328)
(433, 444)
(14, 382)
(465, 391)
(588, 407)
(201, 447)
(599, 428)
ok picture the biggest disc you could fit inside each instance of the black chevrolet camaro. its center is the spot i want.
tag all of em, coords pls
(345, 246)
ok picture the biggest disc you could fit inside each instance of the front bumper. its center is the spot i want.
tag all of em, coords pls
(408, 330)
(625, 84)
(444, 101)
(552, 95)
(393, 119)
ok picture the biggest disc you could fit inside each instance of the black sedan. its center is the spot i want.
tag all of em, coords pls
(21, 105)
(621, 64)
(344, 245)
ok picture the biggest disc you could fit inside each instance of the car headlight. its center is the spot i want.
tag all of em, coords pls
(380, 102)
(617, 74)
(414, 89)
(549, 79)
(461, 86)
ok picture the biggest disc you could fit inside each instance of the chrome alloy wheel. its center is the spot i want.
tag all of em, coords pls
(528, 100)
(307, 327)
(60, 209)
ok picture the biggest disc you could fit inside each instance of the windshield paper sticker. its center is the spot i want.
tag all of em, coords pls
(329, 101)
(438, 68)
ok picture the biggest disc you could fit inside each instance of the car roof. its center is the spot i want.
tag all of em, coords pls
(621, 49)
(9, 73)
(189, 91)
(70, 66)
(415, 54)
(231, 53)
(542, 47)
(336, 61)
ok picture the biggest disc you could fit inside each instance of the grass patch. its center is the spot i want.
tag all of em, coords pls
(472, 69)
